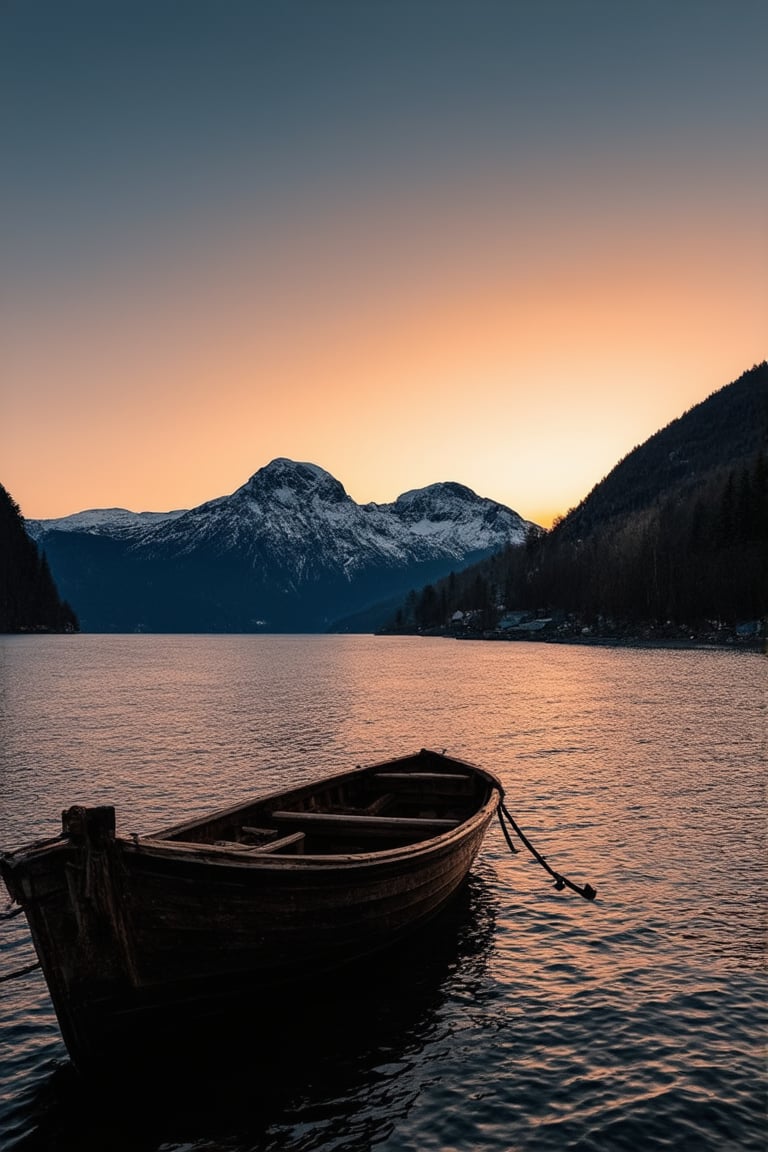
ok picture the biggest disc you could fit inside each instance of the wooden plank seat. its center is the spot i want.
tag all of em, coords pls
(376, 807)
(263, 834)
(431, 777)
(432, 783)
(340, 822)
(373, 809)
(294, 841)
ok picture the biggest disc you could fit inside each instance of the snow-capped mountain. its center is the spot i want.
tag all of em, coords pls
(288, 551)
(118, 522)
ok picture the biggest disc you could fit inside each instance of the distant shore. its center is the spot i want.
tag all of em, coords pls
(750, 638)
(691, 643)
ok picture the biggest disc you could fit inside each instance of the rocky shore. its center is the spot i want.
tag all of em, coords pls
(561, 629)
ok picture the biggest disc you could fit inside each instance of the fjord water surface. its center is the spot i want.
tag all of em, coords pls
(523, 1018)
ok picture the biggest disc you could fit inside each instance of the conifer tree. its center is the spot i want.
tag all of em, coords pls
(29, 600)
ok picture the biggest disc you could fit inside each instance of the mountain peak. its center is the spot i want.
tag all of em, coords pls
(447, 490)
(288, 551)
(285, 479)
(284, 466)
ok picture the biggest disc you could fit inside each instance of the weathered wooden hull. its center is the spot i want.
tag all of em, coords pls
(134, 934)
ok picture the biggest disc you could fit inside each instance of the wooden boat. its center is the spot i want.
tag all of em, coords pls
(135, 933)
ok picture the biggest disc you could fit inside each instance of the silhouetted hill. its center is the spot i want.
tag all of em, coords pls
(676, 536)
(725, 430)
(29, 601)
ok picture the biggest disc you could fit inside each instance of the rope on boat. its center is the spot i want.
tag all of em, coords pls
(19, 972)
(587, 891)
(8, 913)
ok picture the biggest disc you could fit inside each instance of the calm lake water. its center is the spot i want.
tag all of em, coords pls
(522, 1019)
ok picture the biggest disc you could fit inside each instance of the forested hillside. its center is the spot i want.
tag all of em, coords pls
(727, 430)
(677, 534)
(29, 601)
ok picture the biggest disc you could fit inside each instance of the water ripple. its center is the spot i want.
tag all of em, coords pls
(525, 1019)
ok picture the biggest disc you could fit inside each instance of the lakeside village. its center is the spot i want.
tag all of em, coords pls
(568, 628)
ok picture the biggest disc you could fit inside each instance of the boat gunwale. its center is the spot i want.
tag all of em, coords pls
(158, 845)
(211, 854)
(299, 791)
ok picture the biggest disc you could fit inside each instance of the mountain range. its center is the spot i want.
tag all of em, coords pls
(289, 551)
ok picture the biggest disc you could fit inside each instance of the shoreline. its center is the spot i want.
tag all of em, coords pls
(621, 642)
(731, 643)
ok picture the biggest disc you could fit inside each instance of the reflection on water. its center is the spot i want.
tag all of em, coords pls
(526, 1018)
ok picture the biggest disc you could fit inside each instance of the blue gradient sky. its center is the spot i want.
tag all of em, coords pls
(500, 243)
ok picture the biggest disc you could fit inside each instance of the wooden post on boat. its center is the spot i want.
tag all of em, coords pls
(95, 954)
(96, 901)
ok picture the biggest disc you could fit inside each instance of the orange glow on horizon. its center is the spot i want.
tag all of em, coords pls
(509, 285)
(527, 388)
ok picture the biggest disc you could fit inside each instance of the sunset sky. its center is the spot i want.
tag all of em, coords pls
(494, 241)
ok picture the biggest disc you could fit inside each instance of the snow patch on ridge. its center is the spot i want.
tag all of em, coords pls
(118, 522)
(297, 517)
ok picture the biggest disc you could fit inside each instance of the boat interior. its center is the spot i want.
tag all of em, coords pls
(363, 811)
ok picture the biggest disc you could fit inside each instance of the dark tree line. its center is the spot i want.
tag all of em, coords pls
(29, 600)
(698, 553)
(729, 427)
(677, 531)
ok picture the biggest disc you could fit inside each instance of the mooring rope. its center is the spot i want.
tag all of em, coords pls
(19, 972)
(7, 914)
(587, 891)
